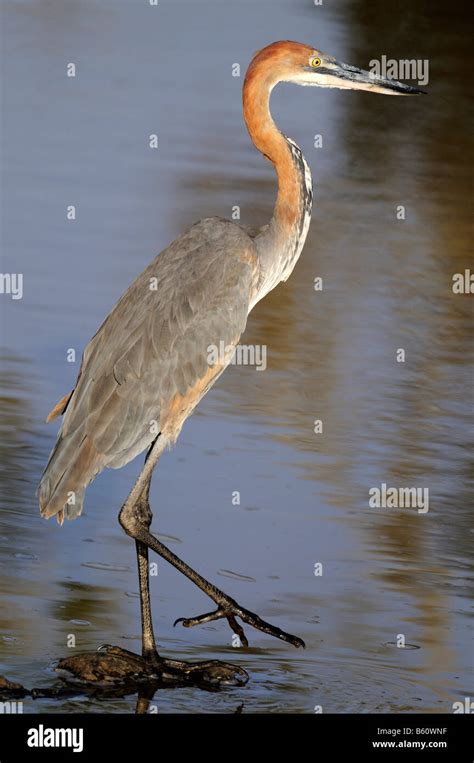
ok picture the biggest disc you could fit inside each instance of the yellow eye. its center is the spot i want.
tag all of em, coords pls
(315, 62)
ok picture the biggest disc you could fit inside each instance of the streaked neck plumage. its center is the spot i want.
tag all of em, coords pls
(280, 243)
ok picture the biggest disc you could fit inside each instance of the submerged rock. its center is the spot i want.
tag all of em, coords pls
(9, 689)
(113, 666)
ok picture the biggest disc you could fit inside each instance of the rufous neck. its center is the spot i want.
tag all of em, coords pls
(268, 139)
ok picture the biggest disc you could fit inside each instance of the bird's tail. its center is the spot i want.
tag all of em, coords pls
(72, 465)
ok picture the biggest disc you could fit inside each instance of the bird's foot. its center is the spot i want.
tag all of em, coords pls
(112, 665)
(209, 672)
(229, 611)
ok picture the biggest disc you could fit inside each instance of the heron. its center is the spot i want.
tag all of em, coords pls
(149, 360)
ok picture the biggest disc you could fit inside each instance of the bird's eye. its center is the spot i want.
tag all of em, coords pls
(315, 62)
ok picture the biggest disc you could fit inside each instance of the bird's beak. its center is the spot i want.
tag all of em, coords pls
(336, 74)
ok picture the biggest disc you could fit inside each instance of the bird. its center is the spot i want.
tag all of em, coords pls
(147, 367)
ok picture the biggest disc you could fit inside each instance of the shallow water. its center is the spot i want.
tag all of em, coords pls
(331, 354)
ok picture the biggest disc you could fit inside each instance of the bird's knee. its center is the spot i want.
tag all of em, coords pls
(133, 518)
(127, 522)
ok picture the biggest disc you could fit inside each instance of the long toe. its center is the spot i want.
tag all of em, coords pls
(230, 612)
(218, 673)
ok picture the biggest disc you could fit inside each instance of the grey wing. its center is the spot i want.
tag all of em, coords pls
(148, 364)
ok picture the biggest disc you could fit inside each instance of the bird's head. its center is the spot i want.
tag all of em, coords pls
(288, 61)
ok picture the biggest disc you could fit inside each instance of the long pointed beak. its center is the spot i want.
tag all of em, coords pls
(349, 77)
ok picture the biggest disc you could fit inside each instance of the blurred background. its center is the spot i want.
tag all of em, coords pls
(331, 354)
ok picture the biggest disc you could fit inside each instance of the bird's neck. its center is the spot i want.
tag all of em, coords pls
(280, 243)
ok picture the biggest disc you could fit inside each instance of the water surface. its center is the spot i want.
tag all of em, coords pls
(331, 353)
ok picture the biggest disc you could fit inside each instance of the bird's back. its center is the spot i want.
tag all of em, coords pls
(148, 364)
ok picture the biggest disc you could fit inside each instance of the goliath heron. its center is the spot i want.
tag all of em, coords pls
(148, 362)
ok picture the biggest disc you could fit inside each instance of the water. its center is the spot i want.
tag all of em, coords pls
(331, 354)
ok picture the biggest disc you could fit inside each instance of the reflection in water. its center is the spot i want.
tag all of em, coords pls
(331, 353)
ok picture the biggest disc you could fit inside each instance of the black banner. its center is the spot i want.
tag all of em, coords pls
(91, 737)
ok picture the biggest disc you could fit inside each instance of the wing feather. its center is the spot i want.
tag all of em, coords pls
(153, 348)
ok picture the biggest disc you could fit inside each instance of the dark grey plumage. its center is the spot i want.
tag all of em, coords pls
(149, 359)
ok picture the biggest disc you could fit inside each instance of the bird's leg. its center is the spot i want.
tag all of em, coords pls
(210, 672)
(144, 516)
(227, 608)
